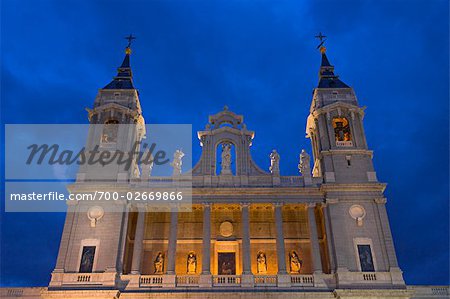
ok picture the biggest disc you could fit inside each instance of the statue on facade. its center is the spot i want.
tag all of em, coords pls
(295, 262)
(261, 263)
(191, 263)
(146, 164)
(136, 171)
(177, 162)
(159, 263)
(305, 163)
(226, 159)
(274, 162)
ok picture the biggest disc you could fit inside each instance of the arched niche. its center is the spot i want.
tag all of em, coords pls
(226, 127)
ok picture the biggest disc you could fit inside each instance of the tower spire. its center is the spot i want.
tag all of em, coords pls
(327, 78)
(124, 77)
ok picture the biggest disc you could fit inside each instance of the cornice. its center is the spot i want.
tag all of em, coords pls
(359, 187)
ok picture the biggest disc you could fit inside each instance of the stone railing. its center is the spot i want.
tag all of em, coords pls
(344, 143)
(440, 291)
(375, 278)
(151, 281)
(430, 291)
(32, 292)
(369, 276)
(104, 278)
(187, 280)
(302, 280)
(291, 181)
(14, 293)
(265, 280)
(84, 277)
(226, 280)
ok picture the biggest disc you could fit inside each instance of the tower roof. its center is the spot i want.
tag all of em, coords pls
(327, 78)
(124, 78)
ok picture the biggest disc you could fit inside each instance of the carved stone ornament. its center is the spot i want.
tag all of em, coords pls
(226, 229)
(94, 214)
(358, 213)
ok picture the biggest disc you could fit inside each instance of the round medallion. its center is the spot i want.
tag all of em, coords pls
(226, 229)
(357, 212)
(94, 214)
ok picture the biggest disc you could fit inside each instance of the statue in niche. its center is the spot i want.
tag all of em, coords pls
(274, 162)
(341, 129)
(191, 263)
(305, 163)
(226, 268)
(226, 159)
(110, 131)
(261, 263)
(295, 262)
(177, 162)
(365, 258)
(159, 263)
(87, 259)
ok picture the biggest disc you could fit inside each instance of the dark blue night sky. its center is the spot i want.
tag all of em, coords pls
(258, 57)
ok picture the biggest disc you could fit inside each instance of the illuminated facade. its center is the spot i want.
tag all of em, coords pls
(321, 234)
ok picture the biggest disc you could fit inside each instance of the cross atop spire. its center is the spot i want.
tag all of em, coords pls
(130, 39)
(124, 78)
(322, 39)
(327, 78)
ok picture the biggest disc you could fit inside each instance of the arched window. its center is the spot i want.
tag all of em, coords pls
(342, 132)
(225, 124)
(110, 131)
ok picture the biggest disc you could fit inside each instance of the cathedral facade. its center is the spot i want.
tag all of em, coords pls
(251, 232)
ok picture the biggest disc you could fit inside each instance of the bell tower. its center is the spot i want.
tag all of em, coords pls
(336, 130)
(92, 245)
(354, 203)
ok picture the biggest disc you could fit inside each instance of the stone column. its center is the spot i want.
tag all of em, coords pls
(392, 258)
(330, 130)
(396, 273)
(172, 250)
(280, 239)
(284, 280)
(315, 247)
(138, 240)
(64, 245)
(329, 237)
(339, 235)
(206, 259)
(205, 277)
(246, 262)
(247, 277)
(169, 280)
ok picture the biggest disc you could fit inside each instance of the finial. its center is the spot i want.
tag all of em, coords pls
(322, 39)
(130, 39)
(225, 108)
